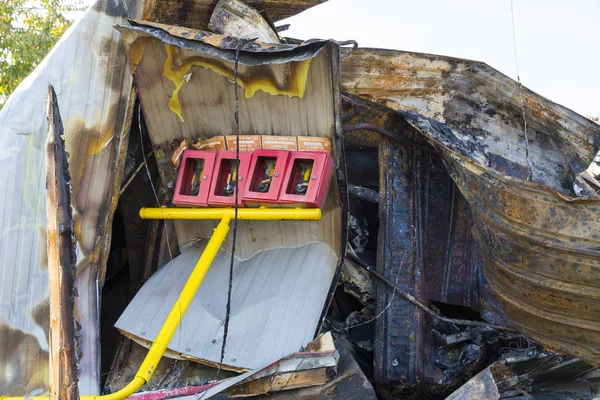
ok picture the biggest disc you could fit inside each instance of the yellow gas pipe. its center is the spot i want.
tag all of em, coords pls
(170, 325)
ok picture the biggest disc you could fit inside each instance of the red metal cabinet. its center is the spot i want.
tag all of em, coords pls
(265, 177)
(194, 179)
(222, 193)
(307, 179)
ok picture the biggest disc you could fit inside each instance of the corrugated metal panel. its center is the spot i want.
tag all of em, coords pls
(186, 91)
(541, 256)
(276, 302)
(540, 245)
(89, 71)
(162, 55)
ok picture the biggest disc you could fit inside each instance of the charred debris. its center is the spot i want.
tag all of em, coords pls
(451, 250)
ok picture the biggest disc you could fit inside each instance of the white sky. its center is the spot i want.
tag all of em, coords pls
(558, 41)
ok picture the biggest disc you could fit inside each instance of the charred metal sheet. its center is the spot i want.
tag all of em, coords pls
(217, 45)
(485, 105)
(349, 383)
(452, 258)
(363, 193)
(237, 19)
(486, 385)
(94, 92)
(540, 244)
(196, 13)
(540, 248)
(61, 260)
(357, 280)
(453, 265)
(401, 337)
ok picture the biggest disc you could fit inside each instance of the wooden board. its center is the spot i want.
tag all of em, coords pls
(61, 260)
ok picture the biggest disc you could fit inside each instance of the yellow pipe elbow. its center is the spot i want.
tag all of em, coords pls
(125, 392)
(159, 346)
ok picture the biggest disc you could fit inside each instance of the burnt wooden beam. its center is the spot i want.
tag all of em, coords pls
(61, 260)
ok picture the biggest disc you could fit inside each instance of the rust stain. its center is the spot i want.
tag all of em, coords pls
(536, 110)
(135, 46)
(89, 146)
(253, 79)
(43, 233)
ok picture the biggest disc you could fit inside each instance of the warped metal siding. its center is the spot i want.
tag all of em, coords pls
(541, 245)
(541, 249)
(88, 68)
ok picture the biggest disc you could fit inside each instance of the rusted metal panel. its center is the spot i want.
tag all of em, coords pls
(196, 13)
(61, 260)
(481, 386)
(540, 249)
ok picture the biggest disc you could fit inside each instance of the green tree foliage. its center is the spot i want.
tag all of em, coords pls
(28, 30)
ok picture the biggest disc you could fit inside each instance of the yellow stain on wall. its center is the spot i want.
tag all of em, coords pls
(135, 52)
(98, 143)
(295, 86)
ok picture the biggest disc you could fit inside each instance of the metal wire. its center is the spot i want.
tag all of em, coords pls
(150, 179)
(526, 134)
(236, 191)
(407, 296)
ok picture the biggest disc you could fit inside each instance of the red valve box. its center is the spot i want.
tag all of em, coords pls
(222, 187)
(267, 170)
(195, 175)
(307, 179)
